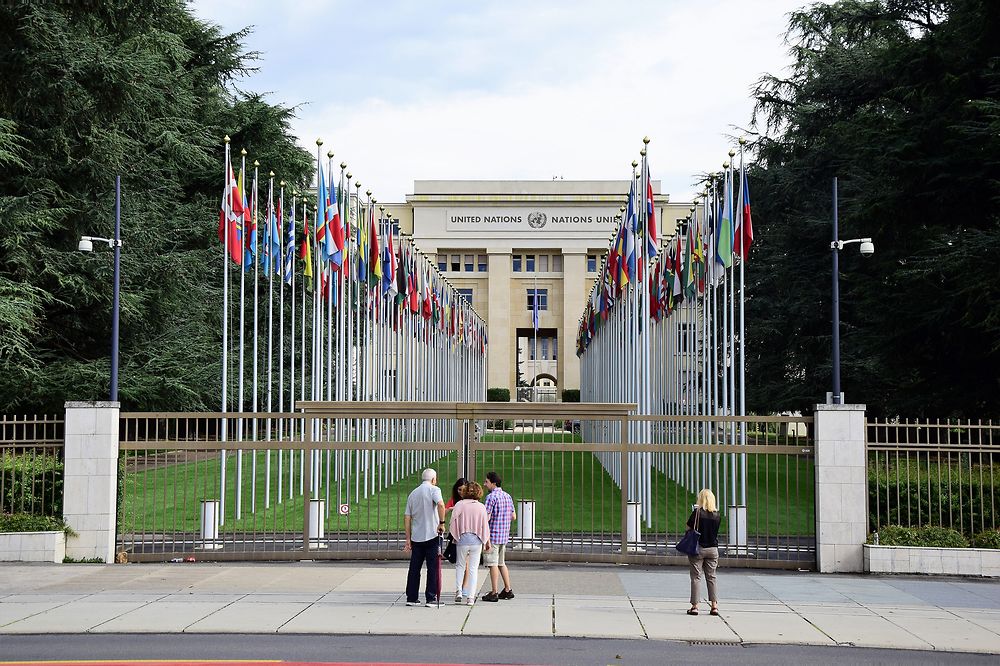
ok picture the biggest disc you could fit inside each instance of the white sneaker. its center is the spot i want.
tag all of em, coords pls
(471, 601)
(431, 604)
(412, 603)
(458, 598)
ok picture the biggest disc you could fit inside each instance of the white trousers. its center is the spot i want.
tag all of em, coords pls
(468, 559)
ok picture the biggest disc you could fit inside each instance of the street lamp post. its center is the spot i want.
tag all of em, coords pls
(87, 245)
(867, 249)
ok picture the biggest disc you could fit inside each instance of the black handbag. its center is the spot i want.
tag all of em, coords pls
(451, 551)
(689, 544)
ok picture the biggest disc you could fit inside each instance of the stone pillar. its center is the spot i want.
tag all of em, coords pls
(841, 488)
(501, 362)
(574, 298)
(90, 487)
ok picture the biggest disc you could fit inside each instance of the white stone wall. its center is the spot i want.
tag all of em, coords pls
(841, 488)
(948, 561)
(33, 546)
(91, 471)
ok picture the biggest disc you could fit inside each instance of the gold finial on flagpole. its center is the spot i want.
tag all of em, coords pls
(256, 163)
(343, 165)
(271, 174)
(374, 200)
(645, 140)
(319, 142)
(743, 141)
(725, 165)
(225, 139)
(634, 164)
(368, 193)
(282, 183)
(642, 152)
(732, 152)
(243, 151)
(329, 154)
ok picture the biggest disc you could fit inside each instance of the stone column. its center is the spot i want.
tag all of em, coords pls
(90, 487)
(574, 298)
(841, 488)
(501, 362)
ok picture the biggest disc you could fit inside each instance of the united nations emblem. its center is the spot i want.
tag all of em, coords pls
(536, 220)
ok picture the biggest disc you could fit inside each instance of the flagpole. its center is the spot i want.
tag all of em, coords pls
(742, 349)
(228, 212)
(271, 265)
(284, 256)
(256, 295)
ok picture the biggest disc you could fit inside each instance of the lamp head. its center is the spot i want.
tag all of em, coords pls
(86, 245)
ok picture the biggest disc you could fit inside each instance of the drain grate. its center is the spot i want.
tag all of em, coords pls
(718, 643)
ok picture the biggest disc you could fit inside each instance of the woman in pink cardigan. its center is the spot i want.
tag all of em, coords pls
(471, 531)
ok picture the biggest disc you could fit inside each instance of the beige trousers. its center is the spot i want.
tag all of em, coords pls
(707, 559)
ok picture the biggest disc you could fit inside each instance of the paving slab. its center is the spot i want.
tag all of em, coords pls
(13, 612)
(757, 627)
(248, 618)
(285, 597)
(832, 609)
(335, 619)
(521, 616)
(989, 620)
(748, 606)
(865, 631)
(73, 618)
(160, 617)
(375, 579)
(666, 622)
(402, 619)
(950, 634)
(945, 594)
(34, 598)
(210, 597)
(384, 598)
(602, 618)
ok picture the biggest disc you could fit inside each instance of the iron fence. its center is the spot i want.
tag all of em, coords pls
(332, 481)
(939, 473)
(31, 464)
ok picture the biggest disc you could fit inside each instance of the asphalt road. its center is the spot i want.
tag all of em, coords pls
(443, 650)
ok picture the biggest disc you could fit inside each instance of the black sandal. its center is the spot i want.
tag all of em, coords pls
(714, 611)
(692, 611)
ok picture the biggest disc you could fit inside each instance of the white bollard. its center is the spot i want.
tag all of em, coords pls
(737, 531)
(210, 525)
(526, 525)
(633, 533)
(317, 526)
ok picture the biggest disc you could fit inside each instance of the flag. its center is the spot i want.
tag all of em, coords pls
(389, 262)
(362, 251)
(305, 252)
(250, 249)
(534, 309)
(724, 235)
(626, 257)
(322, 237)
(336, 228)
(743, 238)
(652, 239)
(231, 214)
(290, 250)
(374, 254)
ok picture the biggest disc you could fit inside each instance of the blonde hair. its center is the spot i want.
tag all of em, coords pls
(471, 490)
(706, 500)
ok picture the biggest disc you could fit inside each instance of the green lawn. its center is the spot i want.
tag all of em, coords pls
(572, 491)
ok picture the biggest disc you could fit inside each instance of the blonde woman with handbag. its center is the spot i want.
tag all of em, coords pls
(705, 519)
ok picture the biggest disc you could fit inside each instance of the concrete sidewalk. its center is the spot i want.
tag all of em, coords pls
(551, 600)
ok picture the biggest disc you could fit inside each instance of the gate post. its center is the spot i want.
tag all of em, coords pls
(841, 488)
(90, 479)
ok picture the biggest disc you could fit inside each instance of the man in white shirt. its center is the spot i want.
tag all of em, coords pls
(424, 522)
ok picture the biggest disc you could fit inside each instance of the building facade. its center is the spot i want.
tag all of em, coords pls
(525, 254)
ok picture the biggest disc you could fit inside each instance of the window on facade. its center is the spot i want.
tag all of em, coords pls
(591, 263)
(543, 263)
(466, 293)
(481, 260)
(456, 262)
(529, 263)
(442, 262)
(555, 348)
(557, 263)
(543, 299)
(545, 348)
(682, 338)
(469, 266)
(517, 263)
(531, 348)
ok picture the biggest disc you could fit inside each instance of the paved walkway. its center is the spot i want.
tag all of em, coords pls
(552, 599)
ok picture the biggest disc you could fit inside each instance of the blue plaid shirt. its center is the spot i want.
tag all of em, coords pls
(499, 506)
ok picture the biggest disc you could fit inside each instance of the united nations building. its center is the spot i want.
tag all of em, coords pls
(506, 244)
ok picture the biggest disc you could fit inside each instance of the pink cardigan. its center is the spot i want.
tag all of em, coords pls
(470, 516)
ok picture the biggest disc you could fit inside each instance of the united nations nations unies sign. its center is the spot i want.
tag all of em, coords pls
(531, 219)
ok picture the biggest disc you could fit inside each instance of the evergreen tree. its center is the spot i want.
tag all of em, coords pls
(143, 89)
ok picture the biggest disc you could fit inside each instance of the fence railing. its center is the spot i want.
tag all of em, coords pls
(31, 464)
(939, 473)
(332, 481)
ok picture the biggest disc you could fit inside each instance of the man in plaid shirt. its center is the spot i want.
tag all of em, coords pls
(500, 509)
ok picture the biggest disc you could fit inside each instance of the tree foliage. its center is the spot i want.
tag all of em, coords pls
(143, 89)
(901, 100)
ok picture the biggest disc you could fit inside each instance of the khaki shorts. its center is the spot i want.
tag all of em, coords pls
(494, 556)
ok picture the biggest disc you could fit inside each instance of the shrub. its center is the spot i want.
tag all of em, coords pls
(928, 536)
(498, 395)
(571, 395)
(26, 522)
(987, 539)
(31, 484)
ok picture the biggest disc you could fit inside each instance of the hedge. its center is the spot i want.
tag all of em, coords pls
(987, 539)
(26, 522)
(908, 494)
(927, 536)
(31, 483)
(571, 395)
(498, 395)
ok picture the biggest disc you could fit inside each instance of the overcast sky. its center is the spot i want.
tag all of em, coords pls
(530, 89)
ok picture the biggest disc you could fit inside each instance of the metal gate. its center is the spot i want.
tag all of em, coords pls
(331, 481)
